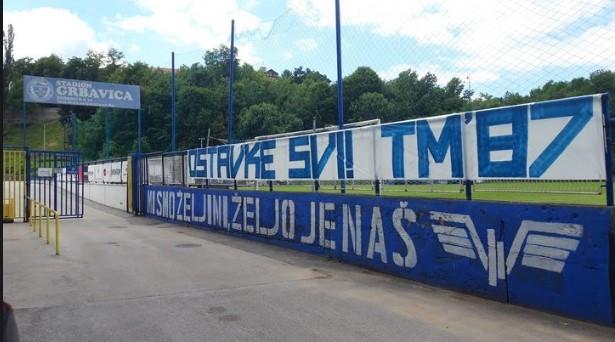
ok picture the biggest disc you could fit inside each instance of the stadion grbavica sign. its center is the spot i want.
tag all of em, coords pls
(81, 93)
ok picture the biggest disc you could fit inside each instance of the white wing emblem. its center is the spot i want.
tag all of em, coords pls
(547, 244)
(455, 240)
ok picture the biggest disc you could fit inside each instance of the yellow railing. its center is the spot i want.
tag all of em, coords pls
(13, 183)
(38, 211)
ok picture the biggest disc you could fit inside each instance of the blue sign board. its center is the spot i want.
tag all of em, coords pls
(80, 93)
(554, 258)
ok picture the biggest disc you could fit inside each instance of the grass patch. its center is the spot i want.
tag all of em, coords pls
(584, 193)
(11, 135)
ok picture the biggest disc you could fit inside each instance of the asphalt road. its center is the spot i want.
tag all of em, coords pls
(123, 278)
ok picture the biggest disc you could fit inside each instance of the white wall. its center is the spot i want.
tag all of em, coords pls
(112, 195)
(14, 190)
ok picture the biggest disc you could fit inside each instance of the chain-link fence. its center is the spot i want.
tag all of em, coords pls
(400, 60)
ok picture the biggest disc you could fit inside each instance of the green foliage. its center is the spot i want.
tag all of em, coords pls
(90, 136)
(7, 62)
(600, 81)
(371, 106)
(266, 118)
(39, 135)
(263, 105)
(361, 81)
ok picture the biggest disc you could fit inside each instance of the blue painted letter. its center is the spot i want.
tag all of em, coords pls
(516, 142)
(303, 156)
(450, 138)
(397, 132)
(267, 159)
(580, 110)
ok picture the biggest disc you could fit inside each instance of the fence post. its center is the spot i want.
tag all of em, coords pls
(29, 210)
(27, 183)
(136, 169)
(468, 184)
(230, 85)
(48, 210)
(608, 153)
(162, 163)
(34, 216)
(40, 220)
(173, 102)
(57, 233)
(39, 214)
(340, 83)
(183, 168)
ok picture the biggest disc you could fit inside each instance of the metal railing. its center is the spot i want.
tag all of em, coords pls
(39, 212)
(13, 183)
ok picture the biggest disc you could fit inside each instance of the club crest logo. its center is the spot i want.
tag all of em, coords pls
(39, 89)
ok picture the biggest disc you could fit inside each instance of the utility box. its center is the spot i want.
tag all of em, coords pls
(8, 213)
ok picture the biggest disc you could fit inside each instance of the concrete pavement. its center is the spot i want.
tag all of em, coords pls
(125, 278)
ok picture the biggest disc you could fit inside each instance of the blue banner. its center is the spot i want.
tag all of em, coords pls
(553, 258)
(80, 93)
(543, 140)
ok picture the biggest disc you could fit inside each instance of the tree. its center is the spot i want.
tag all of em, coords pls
(262, 105)
(361, 81)
(114, 58)
(217, 62)
(195, 105)
(50, 66)
(371, 106)
(299, 75)
(7, 63)
(453, 95)
(91, 136)
(264, 119)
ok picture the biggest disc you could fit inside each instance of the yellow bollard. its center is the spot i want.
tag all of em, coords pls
(40, 220)
(37, 216)
(48, 210)
(57, 233)
(34, 220)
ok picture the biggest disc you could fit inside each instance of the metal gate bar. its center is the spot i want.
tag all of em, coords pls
(13, 183)
(59, 184)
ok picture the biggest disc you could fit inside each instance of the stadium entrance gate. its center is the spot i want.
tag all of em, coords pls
(55, 178)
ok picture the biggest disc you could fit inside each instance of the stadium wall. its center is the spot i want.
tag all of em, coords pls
(549, 257)
(111, 195)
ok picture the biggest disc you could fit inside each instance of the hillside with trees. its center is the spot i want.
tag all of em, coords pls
(263, 104)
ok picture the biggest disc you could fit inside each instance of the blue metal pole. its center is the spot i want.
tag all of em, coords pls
(106, 111)
(340, 87)
(608, 152)
(173, 101)
(230, 84)
(139, 130)
(23, 123)
(73, 118)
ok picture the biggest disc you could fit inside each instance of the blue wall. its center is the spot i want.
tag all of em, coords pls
(553, 258)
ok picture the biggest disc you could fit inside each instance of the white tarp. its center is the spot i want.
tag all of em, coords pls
(560, 139)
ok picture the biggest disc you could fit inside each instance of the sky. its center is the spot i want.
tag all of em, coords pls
(493, 46)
